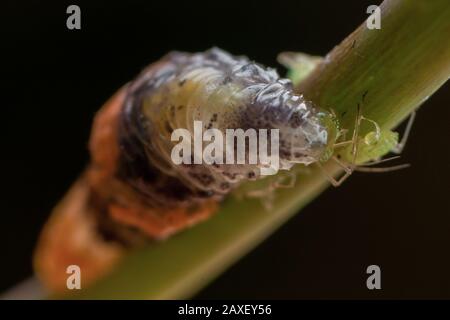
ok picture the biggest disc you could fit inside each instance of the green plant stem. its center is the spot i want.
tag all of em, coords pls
(398, 66)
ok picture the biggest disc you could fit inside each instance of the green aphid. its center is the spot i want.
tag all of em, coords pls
(374, 146)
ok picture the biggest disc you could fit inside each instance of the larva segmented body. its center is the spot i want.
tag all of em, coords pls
(223, 92)
(132, 191)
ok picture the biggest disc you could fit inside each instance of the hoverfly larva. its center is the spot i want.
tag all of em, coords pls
(133, 191)
(223, 92)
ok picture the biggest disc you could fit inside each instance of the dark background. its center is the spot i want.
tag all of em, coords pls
(55, 79)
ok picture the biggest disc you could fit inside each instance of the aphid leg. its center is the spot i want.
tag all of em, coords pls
(364, 167)
(266, 196)
(341, 134)
(267, 201)
(372, 163)
(351, 167)
(342, 144)
(352, 141)
(348, 169)
(329, 177)
(280, 183)
(386, 169)
(399, 147)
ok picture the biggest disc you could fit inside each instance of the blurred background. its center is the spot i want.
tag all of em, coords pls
(55, 79)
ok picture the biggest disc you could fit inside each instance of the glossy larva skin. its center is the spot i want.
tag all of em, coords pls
(224, 92)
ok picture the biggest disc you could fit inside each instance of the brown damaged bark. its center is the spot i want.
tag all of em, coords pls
(101, 215)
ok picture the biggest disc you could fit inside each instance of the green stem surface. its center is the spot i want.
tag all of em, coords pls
(397, 68)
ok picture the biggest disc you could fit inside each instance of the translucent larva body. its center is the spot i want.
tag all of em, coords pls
(132, 192)
(223, 92)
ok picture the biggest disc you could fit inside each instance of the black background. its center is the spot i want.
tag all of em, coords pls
(54, 80)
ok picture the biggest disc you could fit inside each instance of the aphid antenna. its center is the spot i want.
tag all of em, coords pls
(351, 167)
(401, 145)
(371, 163)
(342, 144)
(380, 170)
(397, 150)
